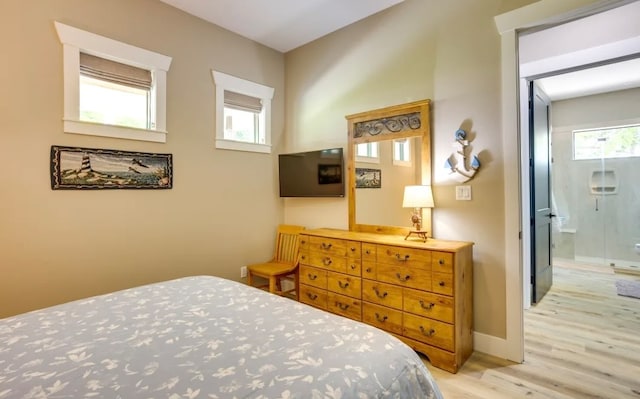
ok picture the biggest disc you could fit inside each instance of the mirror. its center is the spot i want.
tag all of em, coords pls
(393, 164)
(376, 186)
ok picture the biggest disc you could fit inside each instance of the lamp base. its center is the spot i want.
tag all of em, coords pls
(420, 233)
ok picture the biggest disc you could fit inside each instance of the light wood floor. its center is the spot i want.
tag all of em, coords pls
(581, 341)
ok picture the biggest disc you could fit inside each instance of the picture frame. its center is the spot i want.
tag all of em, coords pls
(368, 178)
(76, 168)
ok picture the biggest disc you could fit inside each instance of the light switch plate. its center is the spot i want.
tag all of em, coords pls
(463, 193)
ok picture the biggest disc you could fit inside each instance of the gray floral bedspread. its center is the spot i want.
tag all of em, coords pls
(202, 337)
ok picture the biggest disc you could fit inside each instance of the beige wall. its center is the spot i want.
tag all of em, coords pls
(448, 52)
(222, 213)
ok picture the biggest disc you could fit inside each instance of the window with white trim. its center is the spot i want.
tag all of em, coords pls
(111, 88)
(402, 152)
(367, 152)
(608, 142)
(243, 114)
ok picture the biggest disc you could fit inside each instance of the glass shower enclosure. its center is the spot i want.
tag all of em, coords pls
(596, 196)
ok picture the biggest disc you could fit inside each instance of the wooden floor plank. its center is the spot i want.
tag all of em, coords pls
(581, 341)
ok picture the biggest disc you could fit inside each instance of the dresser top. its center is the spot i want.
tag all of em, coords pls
(385, 239)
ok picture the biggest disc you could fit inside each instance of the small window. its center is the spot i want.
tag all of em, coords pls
(243, 114)
(112, 93)
(367, 152)
(610, 142)
(111, 88)
(402, 152)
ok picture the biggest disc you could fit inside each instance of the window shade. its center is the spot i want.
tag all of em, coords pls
(242, 102)
(114, 72)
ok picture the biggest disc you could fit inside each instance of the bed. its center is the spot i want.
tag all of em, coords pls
(202, 337)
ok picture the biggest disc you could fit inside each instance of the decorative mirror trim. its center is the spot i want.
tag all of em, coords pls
(384, 126)
(389, 123)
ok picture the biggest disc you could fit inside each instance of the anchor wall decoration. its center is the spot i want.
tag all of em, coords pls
(460, 168)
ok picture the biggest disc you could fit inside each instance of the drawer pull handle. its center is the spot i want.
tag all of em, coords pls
(368, 252)
(343, 286)
(441, 261)
(342, 306)
(326, 246)
(429, 333)
(381, 296)
(311, 296)
(368, 270)
(405, 278)
(441, 284)
(353, 267)
(353, 249)
(327, 261)
(302, 242)
(381, 319)
(312, 276)
(427, 307)
(402, 258)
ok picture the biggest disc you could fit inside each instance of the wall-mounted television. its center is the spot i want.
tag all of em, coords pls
(312, 174)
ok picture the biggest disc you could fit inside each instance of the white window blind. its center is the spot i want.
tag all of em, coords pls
(115, 72)
(242, 102)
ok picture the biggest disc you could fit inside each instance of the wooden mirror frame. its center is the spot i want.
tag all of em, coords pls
(390, 123)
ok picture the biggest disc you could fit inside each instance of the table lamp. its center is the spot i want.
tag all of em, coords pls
(417, 197)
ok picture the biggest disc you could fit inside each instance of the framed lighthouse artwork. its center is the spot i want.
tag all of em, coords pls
(77, 168)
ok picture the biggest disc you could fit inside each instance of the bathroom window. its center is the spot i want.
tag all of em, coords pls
(609, 142)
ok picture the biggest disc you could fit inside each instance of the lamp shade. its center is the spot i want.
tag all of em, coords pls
(417, 197)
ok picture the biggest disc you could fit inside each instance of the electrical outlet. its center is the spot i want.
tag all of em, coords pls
(243, 272)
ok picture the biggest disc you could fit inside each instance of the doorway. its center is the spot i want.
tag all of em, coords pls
(568, 55)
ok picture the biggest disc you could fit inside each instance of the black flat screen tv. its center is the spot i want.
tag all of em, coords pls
(312, 174)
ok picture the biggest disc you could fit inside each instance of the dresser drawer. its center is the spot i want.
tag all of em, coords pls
(369, 269)
(442, 262)
(311, 276)
(344, 306)
(313, 296)
(406, 277)
(442, 283)
(383, 294)
(328, 261)
(382, 317)
(429, 305)
(404, 257)
(328, 246)
(303, 243)
(344, 284)
(429, 331)
(354, 267)
(354, 249)
(368, 252)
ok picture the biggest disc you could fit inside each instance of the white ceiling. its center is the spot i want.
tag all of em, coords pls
(282, 24)
(597, 80)
(287, 24)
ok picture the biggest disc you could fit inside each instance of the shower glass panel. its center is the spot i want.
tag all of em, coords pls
(608, 208)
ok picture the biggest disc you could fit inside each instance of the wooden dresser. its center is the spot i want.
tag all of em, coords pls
(420, 292)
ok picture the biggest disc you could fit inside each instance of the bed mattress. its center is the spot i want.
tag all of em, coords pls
(202, 337)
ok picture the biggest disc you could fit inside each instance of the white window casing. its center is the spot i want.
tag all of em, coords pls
(75, 41)
(225, 82)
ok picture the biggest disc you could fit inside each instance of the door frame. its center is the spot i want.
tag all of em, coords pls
(516, 149)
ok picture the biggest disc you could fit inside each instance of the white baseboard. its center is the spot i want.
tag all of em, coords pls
(490, 345)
